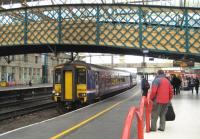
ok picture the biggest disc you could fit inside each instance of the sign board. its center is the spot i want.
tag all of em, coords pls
(179, 63)
(145, 51)
(151, 59)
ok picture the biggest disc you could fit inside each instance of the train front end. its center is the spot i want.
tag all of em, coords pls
(70, 86)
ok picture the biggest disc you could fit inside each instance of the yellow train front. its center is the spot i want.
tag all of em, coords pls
(79, 83)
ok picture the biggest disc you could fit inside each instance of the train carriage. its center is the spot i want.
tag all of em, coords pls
(79, 82)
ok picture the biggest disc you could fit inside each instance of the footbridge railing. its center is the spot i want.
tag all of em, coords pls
(139, 113)
(156, 28)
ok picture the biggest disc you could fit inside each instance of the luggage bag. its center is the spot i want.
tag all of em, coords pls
(170, 115)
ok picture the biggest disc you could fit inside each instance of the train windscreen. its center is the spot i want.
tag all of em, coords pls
(57, 76)
(81, 72)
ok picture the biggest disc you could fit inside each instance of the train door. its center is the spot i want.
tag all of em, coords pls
(97, 83)
(81, 83)
(68, 86)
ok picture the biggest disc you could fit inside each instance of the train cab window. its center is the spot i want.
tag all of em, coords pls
(57, 76)
(81, 76)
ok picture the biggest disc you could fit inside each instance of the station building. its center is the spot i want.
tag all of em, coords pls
(20, 69)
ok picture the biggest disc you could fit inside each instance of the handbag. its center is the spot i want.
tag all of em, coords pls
(170, 115)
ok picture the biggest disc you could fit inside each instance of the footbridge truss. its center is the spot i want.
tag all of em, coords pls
(108, 28)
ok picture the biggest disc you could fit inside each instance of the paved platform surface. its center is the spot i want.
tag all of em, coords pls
(103, 120)
(187, 122)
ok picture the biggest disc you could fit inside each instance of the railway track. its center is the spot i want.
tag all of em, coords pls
(25, 108)
(14, 108)
(23, 111)
(15, 102)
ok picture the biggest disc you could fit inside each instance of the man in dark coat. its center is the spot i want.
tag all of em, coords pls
(144, 86)
(176, 84)
(191, 84)
(196, 85)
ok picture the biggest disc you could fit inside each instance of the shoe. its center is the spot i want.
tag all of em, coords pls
(152, 130)
(161, 129)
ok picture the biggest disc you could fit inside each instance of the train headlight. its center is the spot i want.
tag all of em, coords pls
(53, 92)
(56, 94)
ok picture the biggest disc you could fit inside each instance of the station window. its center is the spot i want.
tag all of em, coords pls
(38, 72)
(30, 71)
(57, 76)
(34, 71)
(25, 73)
(12, 58)
(20, 73)
(3, 73)
(13, 69)
(81, 72)
(36, 59)
(25, 58)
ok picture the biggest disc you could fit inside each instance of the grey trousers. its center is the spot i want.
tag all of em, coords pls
(158, 110)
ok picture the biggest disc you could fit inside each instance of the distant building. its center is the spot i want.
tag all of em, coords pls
(20, 69)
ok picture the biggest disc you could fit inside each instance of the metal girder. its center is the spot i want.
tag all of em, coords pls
(15, 1)
(160, 29)
(13, 15)
(145, 1)
(139, 65)
(39, 14)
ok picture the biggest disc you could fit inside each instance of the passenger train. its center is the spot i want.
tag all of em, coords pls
(79, 83)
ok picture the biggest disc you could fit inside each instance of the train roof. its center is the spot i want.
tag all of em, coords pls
(59, 66)
(93, 66)
(89, 66)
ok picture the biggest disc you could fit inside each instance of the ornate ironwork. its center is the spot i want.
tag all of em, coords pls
(161, 29)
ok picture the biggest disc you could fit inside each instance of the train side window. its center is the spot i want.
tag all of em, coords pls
(57, 76)
(81, 72)
(123, 79)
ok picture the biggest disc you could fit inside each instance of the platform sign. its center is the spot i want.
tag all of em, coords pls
(179, 63)
(151, 59)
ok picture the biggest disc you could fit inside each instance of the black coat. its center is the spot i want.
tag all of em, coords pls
(196, 82)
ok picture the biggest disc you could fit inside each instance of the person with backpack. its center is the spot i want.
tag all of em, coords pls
(144, 86)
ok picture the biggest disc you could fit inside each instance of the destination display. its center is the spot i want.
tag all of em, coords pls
(180, 63)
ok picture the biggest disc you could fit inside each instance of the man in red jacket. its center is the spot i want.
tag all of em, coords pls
(161, 94)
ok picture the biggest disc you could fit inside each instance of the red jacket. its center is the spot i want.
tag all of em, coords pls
(161, 90)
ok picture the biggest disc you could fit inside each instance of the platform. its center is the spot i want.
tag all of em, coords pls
(25, 87)
(187, 122)
(105, 120)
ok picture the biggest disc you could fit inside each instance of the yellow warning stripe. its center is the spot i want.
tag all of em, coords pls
(90, 119)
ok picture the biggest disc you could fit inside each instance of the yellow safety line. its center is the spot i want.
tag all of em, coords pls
(90, 119)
